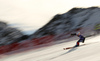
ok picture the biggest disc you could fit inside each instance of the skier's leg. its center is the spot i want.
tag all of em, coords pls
(83, 40)
(77, 44)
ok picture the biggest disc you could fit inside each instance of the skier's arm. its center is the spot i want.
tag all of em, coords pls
(73, 34)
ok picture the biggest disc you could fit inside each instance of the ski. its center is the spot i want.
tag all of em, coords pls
(72, 47)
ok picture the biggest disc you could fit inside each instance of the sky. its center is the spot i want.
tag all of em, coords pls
(33, 14)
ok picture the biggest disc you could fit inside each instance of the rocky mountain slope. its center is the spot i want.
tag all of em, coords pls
(9, 35)
(76, 19)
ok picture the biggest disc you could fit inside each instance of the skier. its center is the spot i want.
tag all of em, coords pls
(82, 38)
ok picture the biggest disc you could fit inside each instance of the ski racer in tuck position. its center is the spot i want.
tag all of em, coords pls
(82, 38)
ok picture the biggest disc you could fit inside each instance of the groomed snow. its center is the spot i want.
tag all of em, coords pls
(88, 52)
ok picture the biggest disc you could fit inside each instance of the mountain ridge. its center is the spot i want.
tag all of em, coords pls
(76, 18)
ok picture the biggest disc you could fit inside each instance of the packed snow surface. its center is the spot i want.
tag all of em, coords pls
(88, 52)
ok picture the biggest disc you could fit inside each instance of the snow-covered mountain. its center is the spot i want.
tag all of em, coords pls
(85, 20)
(76, 19)
(8, 34)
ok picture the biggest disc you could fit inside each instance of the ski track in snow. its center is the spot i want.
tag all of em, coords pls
(88, 52)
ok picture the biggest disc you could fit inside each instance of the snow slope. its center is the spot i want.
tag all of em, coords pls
(89, 52)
